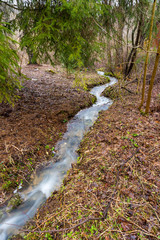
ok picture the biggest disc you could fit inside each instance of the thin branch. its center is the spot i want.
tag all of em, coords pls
(105, 213)
(128, 90)
(133, 81)
(106, 33)
(12, 6)
(21, 9)
(103, 30)
(63, 229)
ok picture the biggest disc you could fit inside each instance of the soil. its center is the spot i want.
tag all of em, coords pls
(30, 130)
(112, 192)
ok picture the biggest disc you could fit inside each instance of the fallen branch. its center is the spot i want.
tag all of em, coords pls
(128, 90)
(135, 80)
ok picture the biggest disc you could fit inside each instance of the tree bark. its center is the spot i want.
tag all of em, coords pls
(152, 79)
(135, 43)
(147, 55)
(109, 55)
(31, 57)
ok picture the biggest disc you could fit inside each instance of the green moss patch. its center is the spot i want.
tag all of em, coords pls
(14, 202)
(111, 74)
(88, 80)
(112, 92)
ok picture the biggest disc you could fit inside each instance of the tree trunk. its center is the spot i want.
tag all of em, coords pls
(135, 43)
(119, 45)
(152, 79)
(109, 56)
(147, 55)
(31, 57)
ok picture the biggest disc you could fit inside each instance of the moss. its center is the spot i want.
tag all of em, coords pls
(14, 202)
(109, 74)
(111, 92)
(51, 71)
(87, 81)
(94, 99)
(7, 185)
(100, 69)
(1, 213)
(97, 81)
(116, 75)
(107, 79)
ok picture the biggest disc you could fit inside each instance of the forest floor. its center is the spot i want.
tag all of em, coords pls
(112, 192)
(30, 130)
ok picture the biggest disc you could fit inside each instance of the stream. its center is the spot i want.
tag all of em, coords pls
(51, 177)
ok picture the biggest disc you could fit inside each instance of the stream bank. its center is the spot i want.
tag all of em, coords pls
(117, 173)
(91, 184)
(50, 178)
(30, 130)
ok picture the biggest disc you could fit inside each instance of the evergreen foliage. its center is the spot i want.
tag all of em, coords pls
(8, 66)
(68, 31)
(61, 30)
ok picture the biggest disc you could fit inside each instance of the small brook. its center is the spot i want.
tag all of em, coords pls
(51, 177)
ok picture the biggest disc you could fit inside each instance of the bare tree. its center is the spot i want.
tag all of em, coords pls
(152, 79)
(147, 55)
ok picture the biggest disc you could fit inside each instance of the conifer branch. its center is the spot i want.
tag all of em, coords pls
(12, 6)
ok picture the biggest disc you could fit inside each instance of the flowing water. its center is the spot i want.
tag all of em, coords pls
(51, 177)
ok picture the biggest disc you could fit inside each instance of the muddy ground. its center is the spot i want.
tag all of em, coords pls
(29, 131)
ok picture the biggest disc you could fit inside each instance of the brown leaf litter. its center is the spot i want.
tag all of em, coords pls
(116, 179)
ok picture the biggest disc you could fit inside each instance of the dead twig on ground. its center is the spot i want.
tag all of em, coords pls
(128, 90)
(105, 212)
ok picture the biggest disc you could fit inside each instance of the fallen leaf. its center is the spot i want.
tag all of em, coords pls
(126, 226)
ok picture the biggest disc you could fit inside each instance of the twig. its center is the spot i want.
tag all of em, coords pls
(128, 90)
(135, 47)
(103, 30)
(117, 180)
(142, 229)
(154, 211)
(12, 6)
(105, 212)
(63, 229)
(135, 80)
(53, 216)
(17, 149)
